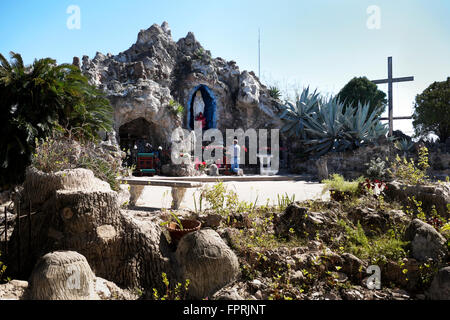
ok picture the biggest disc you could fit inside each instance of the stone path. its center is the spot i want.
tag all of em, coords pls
(160, 197)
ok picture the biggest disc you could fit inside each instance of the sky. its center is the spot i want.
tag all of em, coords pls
(321, 44)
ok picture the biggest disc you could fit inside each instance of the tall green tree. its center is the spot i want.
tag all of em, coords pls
(362, 90)
(432, 111)
(39, 98)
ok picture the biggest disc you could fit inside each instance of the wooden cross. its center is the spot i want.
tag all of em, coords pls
(390, 81)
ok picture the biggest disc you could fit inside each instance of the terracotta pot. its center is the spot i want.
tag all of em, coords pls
(188, 226)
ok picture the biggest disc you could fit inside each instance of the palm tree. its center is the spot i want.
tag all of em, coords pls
(37, 99)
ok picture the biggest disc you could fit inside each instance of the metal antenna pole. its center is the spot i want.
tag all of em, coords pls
(259, 54)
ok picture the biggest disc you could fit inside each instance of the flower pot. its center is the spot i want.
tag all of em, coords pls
(188, 226)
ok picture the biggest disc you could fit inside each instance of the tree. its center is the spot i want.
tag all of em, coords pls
(432, 111)
(362, 90)
(39, 98)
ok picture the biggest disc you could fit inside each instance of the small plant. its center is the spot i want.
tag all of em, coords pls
(176, 108)
(60, 152)
(173, 218)
(274, 92)
(408, 172)
(172, 294)
(2, 270)
(376, 169)
(284, 201)
(386, 246)
(404, 145)
(202, 54)
(338, 183)
(377, 187)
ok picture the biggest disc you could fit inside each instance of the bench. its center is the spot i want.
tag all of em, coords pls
(178, 188)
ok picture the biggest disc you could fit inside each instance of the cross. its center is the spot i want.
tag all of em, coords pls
(390, 81)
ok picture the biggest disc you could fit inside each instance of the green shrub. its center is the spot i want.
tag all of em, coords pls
(39, 98)
(338, 183)
(2, 270)
(60, 153)
(176, 108)
(408, 172)
(376, 169)
(386, 246)
(172, 294)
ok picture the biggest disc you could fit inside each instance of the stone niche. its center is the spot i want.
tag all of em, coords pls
(202, 100)
(138, 131)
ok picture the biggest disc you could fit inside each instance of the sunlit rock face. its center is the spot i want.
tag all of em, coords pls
(144, 81)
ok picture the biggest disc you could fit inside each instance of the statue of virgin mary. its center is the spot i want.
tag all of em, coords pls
(199, 105)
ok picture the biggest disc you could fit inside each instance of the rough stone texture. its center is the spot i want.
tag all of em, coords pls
(86, 218)
(426, 242)
(435, 194)
(207, 262)
(440, 287)
(62, 275)
(141, 81)
(213, 170)
(302, 222)
(14, 290)
(351, 164)
(177, 197)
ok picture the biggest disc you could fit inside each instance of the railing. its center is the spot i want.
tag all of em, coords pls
(18, 218)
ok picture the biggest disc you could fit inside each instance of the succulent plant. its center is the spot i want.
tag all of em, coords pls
(404, 145)
(295, 116)
(274, 92)
(327, 126)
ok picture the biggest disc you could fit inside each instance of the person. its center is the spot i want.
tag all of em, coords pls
(201, 117)
(235, 152)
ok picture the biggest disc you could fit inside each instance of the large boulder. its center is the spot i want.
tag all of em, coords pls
(426, 242)
(298, 220)
(432, 196)
(440, 287)
(205, 259)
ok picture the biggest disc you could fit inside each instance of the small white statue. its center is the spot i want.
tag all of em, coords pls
(199, 105)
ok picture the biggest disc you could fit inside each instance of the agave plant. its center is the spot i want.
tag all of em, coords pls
(364, 127)
(332, 129)
(295, 116)
(274, 92)
(404, 145)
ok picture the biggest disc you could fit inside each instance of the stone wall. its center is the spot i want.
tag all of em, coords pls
(353, 164)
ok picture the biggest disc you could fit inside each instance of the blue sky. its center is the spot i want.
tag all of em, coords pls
(321, 43)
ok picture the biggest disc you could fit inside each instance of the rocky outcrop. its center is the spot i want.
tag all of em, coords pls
(205, 259)
(440, 287)
(141, 82)
(432, 196)
(426, 242)
(301, 222)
